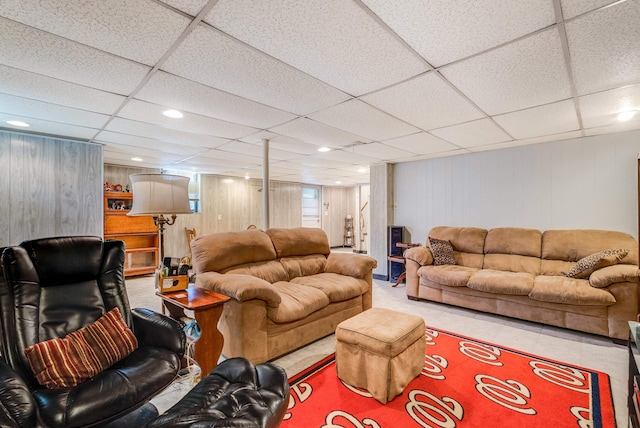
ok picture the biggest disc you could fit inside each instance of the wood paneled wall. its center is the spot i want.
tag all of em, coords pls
(381, 214)
(116, 174)
(341, 202)
(49, 187)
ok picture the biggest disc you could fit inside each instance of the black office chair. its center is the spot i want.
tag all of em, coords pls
(54, 286)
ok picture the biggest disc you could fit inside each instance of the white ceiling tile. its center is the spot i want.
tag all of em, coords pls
(337, 42)
(192, 7)
(602, 108)
(443, 31)
(55, 129)
(146, 146)
(255, 150)
(436, 155)
(525, 73)
(319, 162)
(605, 47)
(213, 59)
(380, 151)
(613, 128)
(240, 158)
(360, 118)
(182, 94)
(39, 52)
(132, 127)
(549, 119)
(528, 141)
(50, 112)
(43, 88)
(477, 133)
(571, 8)
(421, 143)
(140, 30)
(349, 155)
(193, 123)
(426, 101)
(317, 133)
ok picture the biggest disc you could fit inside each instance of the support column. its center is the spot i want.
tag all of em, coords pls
(381, 215)
(265, 184)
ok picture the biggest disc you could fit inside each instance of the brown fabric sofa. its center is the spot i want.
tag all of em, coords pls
(287, 289)
(520, 273)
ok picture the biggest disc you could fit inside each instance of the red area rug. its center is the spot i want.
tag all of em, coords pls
(464, 383)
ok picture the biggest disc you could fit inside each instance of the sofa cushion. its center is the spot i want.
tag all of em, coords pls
(500, 282)
(614, 274)
(442, 252)
(572, 245)
(297, 301)
(569, 291)
(587, 265)
(336, 287)
(271, 271)
(451, 275)
(303, 265)
(299, 241)
(468, 243)
(214, 252)
(513, 249)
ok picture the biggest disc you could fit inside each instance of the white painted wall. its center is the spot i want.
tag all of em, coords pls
(585, 183)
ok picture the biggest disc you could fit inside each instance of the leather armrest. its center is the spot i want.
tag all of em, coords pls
(354, 265)
(611, 274)
(420, 255)
(154, 329)
(239, 287)
(17, 406)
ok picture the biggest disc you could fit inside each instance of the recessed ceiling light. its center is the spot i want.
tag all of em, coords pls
(362, 170)
(174, 114)
(227, 180)
(246, 176)
(338, 182)
(136, 159)
(324, 149)
(623, 116)
(18, 123)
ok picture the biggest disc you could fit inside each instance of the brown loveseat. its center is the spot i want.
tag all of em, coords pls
(521, 273)
(287, 289)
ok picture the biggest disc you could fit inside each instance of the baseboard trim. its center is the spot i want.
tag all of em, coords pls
(381, 277)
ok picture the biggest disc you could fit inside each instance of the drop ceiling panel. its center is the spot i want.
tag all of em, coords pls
(426, 101)
(295, 166)
(337, 42)
(518, 143)
(348, 155)
(360, 118)
(137, 145)
(50, 112)
(317, 133)
(213, 59)
(319, 163)
(571, 8)
(605, 47)
(421, 143)
(194, 123)
(192, 7)
(39, 52)
(549, 119)
(436, 155)
(381, 151)
(602, 108)
(140, 30)
(43, 88)
(610, 129)
(125, 126)
(239, 158)
(254, 150)
(54, 129)
(522, 74)
(443, 31)
(182, 94)
(477, 133)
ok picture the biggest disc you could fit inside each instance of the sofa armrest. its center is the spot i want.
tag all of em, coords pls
(420, 255)
(239, 287)
(354, 265)
(17, 406)
(154, 329)
(612, 274)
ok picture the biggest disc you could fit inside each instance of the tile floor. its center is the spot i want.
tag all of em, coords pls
(568, 346)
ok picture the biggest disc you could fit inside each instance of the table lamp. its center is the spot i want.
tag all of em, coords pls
(158, 195)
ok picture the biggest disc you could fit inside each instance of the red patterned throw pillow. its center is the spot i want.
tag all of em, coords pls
(82, 354)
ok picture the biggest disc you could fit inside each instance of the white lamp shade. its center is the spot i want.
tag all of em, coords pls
(155, 194)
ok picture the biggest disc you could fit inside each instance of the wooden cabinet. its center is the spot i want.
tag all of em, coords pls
(139, 234)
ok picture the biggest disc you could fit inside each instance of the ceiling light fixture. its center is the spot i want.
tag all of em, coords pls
(626, 115)
(18, 123)
(338, 182)
(136, 159)
(246, 176)
(174, 114)
(362, 170)
(324, 149)
(227, 180)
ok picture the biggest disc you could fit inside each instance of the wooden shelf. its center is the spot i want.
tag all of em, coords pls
(139, 234)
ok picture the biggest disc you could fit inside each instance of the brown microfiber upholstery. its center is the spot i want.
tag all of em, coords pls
(297, 302)
(217, 251)
(271, 270)
(296, 266)
(614, 274)
(299, 241)
(513, 249)
(493, 281)
(573, 291)
(241, 287)
(451, 275)
(336, 287)
(350, 264)
(467, 242)
(572, 245)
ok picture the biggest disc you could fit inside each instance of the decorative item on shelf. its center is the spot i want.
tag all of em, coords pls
(157, 195)
(127, 188)
(117, 187)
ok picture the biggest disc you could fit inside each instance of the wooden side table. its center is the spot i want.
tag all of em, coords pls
(207, 308)
(401, 260)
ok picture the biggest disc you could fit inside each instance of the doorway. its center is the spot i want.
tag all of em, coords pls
(311, 206)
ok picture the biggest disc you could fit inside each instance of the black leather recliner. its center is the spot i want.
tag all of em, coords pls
(51, 287)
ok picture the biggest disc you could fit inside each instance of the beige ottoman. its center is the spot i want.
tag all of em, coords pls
(380, 350)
